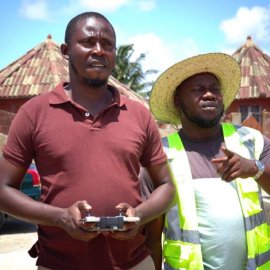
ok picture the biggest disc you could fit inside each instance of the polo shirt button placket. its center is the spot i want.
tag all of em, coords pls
(88, 119)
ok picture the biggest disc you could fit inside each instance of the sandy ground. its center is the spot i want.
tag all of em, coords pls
(16, 238)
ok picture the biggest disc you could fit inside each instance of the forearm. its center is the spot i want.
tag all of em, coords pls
(160, 200)
(21, 206)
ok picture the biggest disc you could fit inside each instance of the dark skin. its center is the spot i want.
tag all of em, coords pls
(201, 97)
(202, 101)
(154, 241)
(91, 53)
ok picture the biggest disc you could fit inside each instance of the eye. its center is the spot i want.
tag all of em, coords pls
(107, 44)
(197, 89)
(215, 90)
(88, 42)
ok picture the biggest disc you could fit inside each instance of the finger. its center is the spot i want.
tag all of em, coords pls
(219, 160)
(122, 206)
(84, 205)
(131, 212)
(127, 209)
(227, 152)
(220, 163)
(229, 173)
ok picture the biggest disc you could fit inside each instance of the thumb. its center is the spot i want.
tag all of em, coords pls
(227, 152)
(83, 205)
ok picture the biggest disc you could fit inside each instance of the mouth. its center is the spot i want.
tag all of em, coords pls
(96, 64)
(209, 106)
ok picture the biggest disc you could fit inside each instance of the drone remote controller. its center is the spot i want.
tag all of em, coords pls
(108, 223)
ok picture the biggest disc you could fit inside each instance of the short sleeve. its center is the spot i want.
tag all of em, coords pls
(19, 147)
(153, 153)
(147, 185)
(265, 155)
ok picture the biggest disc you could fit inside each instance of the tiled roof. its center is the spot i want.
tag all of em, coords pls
(36, 72)
(40, 70)
(127, 92)
(255, 66)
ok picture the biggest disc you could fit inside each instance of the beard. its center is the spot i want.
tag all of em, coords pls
(200, 121)
(96, 83)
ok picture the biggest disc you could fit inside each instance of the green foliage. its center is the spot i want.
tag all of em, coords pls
(130, 72)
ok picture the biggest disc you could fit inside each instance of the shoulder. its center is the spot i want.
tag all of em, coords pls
(135, 104)
(36, 101)
(33, 108)
(128, 97)
(248, 131)
(253, 139)
(43, 101)
(136, 111)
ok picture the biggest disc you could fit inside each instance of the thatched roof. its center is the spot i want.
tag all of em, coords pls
(255, 66)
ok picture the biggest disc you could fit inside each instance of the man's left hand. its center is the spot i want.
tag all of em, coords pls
(131, 228)
(232, 166)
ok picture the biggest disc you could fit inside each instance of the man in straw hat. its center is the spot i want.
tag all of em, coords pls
(218, 221)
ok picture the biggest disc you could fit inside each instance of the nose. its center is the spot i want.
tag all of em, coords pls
(97, 48)
(208, 94)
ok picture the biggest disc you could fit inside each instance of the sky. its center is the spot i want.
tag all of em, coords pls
(166, 31)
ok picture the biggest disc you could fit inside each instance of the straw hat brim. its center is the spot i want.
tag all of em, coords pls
(223, 66)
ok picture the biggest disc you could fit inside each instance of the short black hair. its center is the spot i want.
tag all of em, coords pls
(73, 22)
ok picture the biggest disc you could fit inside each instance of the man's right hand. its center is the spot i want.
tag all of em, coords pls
(70, 221)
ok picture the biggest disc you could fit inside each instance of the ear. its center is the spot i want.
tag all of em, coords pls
(64, 50)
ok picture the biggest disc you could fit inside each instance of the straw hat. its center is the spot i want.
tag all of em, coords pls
(223, 66)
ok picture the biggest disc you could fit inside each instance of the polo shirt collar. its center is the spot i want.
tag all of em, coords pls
(58, 95)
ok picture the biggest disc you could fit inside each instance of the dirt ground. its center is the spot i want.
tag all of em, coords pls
(16, 238)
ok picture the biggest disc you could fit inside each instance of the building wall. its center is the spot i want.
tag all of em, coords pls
(263, 103)
(5, 121)
(8, 109)
(12, 104)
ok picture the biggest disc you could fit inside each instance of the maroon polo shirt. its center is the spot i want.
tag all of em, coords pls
(84, 158)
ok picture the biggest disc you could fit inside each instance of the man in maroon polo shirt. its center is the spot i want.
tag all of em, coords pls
(88, 143)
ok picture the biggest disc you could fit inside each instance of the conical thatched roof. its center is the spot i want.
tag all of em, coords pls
(40, 70)
(255, 66)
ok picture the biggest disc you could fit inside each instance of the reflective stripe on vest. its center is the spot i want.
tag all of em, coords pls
(182, 248)
(257, 230)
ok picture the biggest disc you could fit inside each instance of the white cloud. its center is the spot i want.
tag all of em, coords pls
(254, 22)
(113, 5)
(35, 10)
(49, 9)
(104, 5)
(159, 54)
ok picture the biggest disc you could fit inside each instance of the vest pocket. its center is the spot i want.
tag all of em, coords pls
(262, 236)
(182, 255)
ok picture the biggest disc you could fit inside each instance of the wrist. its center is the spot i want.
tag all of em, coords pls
(260, 169)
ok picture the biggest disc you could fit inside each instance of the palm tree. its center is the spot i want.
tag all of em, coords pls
(131, 73)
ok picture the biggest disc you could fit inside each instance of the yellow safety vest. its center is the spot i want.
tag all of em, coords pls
(181, 247)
